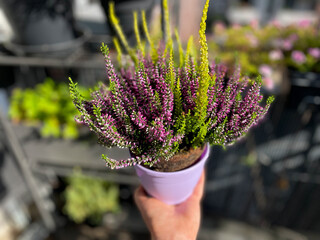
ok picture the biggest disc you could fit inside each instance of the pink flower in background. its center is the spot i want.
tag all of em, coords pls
(314, 52)
(276, 55)
(219, 27)
(265, 70)
(254, 24)
(268, 83)
(287, 44)
(304, 23)
(253, 40)
(276, 24)
(298, 57)
(236, 26)
(266, 73)
(293, 37)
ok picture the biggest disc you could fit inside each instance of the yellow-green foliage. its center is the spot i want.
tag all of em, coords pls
(118, 48)
(154, 54)
(90, 198)
(170, 77)
(202, 98)
(116, 24)
(168, 38)
(136, 31)
(177, 98)
(181, 57)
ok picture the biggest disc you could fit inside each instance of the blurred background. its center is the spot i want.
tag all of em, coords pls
(53, 184)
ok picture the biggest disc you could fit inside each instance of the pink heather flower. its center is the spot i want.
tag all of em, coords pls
(265, 70)
(314, 52)
(268, 83)
(298, 57)
(275, 55)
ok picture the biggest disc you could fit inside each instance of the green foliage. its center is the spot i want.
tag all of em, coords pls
(47, 105)
(89, 198)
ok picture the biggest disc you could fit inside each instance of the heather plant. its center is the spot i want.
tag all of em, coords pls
(158, 107)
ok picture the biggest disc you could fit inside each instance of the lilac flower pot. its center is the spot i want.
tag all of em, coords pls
(172, 187)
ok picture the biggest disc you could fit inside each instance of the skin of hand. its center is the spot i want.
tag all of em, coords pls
(170, 222)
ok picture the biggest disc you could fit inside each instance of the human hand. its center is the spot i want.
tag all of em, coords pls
(169, 222)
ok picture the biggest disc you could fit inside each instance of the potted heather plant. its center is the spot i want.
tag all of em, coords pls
(166, 112)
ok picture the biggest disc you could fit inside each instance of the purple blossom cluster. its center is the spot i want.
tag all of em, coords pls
(143, 110)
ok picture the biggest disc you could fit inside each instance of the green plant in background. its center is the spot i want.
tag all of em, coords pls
(47, 105)
(89, 198)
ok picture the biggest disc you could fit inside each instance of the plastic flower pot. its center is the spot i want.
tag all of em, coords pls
(172, 187)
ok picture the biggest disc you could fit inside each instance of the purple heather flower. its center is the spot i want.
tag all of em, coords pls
(276, 55)
(298, 57)
(265, 70)
(314, 52)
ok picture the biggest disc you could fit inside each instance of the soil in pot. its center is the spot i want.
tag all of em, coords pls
(179, 161)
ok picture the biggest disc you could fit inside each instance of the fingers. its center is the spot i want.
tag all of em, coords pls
(198, 190)
(143, 200)
(139, 195)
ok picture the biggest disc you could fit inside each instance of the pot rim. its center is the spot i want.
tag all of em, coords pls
(204, 155)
